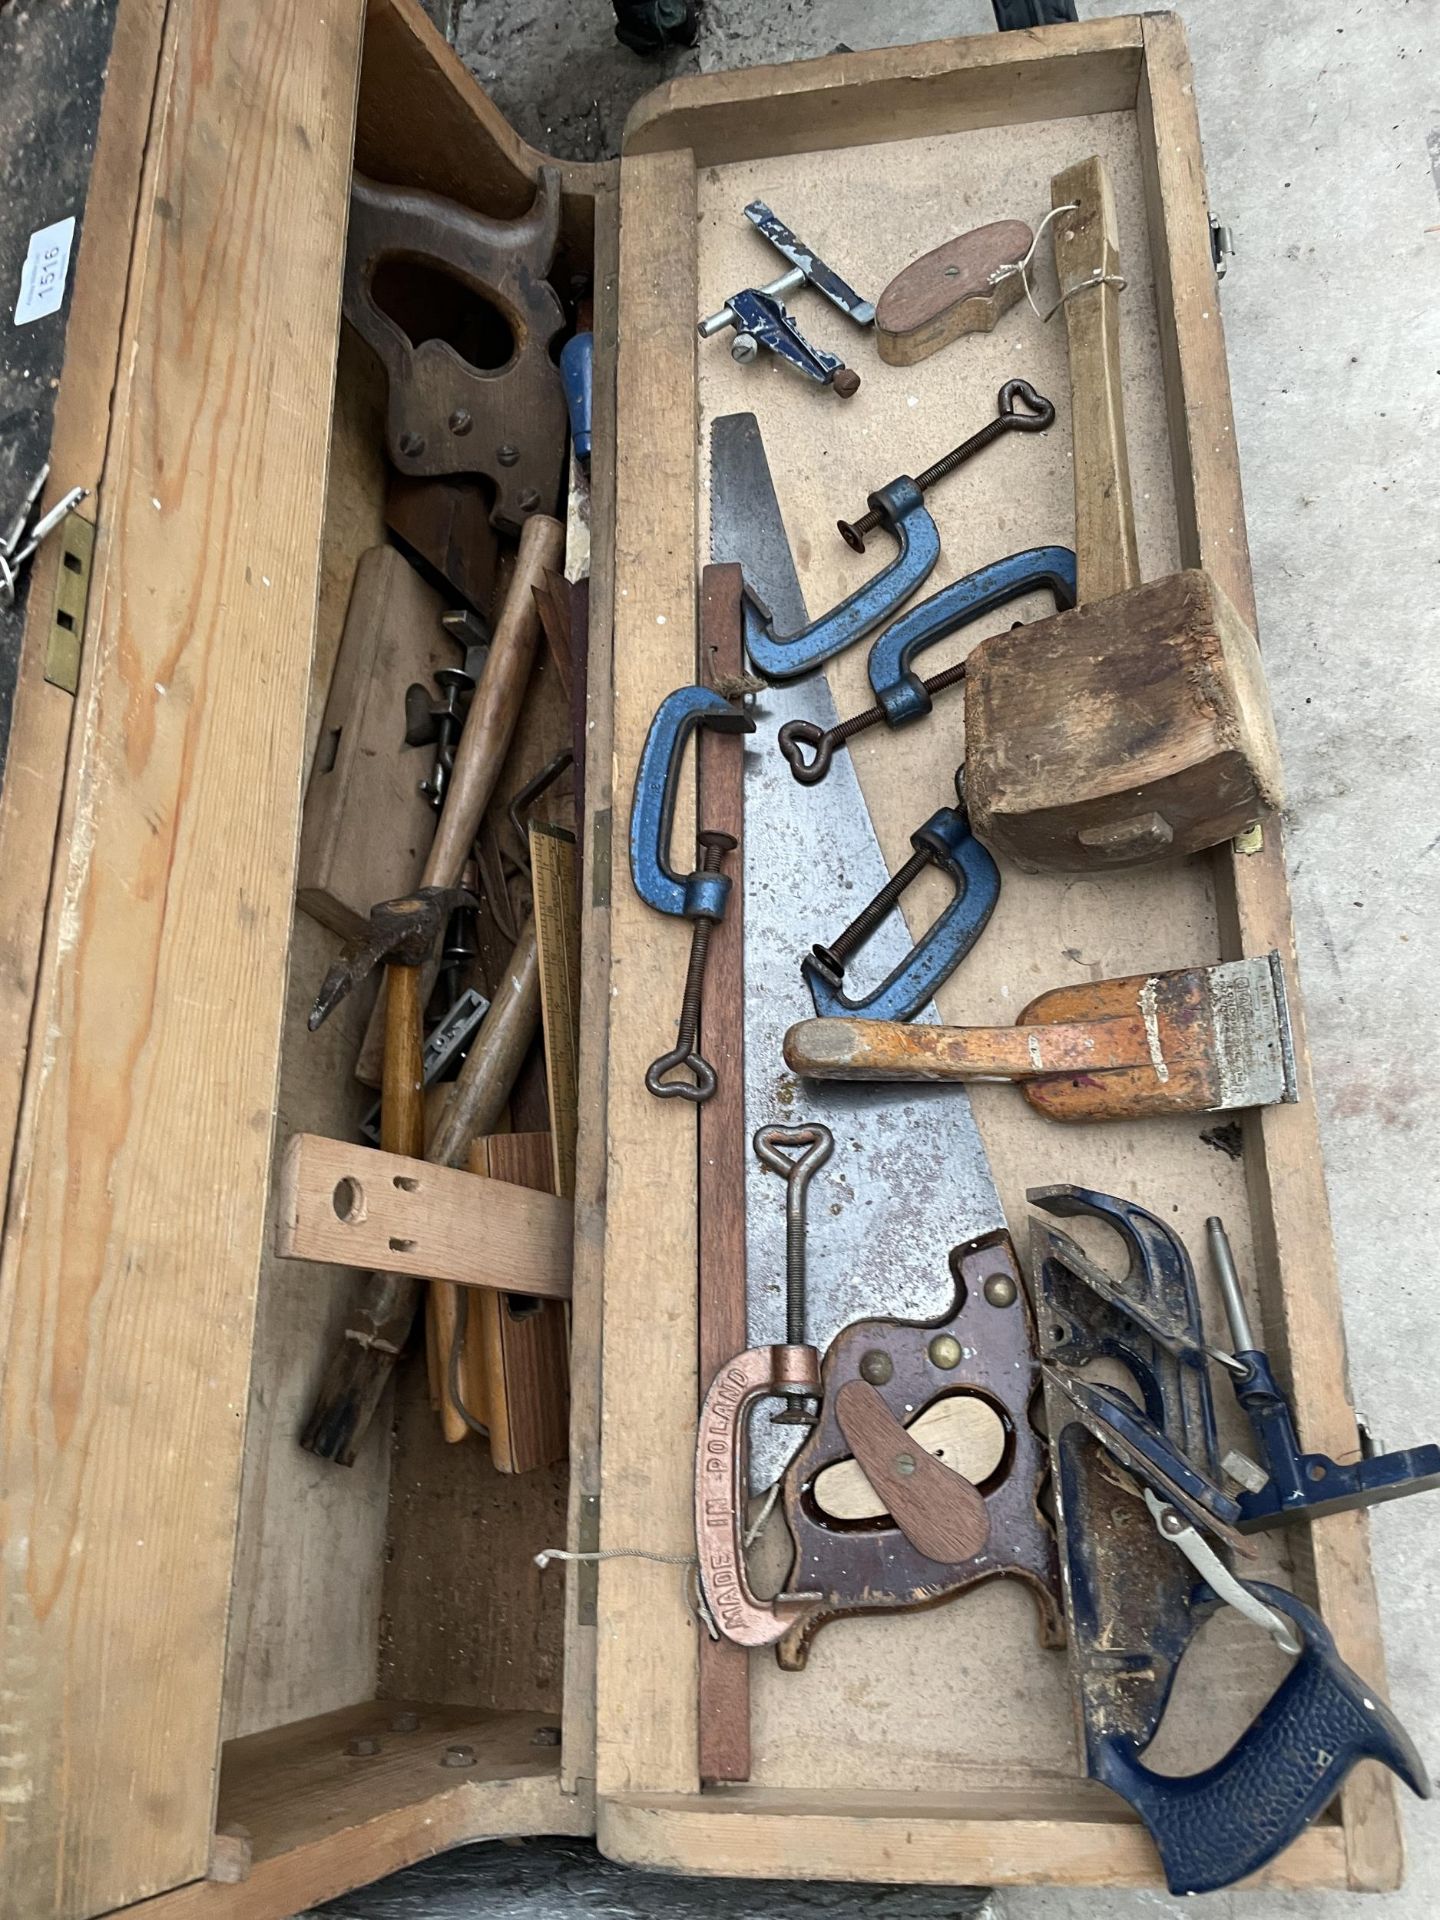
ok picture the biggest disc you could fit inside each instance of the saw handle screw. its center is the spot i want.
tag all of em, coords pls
(683, 1054)
(797, 1172)
(1040, 414)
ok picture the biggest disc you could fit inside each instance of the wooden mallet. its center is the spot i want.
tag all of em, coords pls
(1136, 725)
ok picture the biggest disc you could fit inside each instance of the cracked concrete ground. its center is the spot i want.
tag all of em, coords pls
(1320, 121)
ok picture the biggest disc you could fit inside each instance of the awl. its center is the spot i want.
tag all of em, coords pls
(1196, 1040)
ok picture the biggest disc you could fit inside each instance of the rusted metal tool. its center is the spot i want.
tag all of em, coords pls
(1136, 1497)
(1197, 1040)
(818, 1144)
(792, 1372)
(930, 1534)
(482, 395)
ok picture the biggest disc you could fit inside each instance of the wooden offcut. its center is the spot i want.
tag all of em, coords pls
(367, 827)
(520, 1345)
(724, 1683)
(365, 1208)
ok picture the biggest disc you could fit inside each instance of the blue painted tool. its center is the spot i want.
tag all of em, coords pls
(900, 693)
(1300, 1486)
(899, 690)
(1132, 1604)
(760, 320)
(699, 896)
(945, 841)
(577, 376)
(899, 508)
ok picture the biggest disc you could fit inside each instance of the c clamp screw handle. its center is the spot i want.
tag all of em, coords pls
(797, 1173)
(712, 845)
(1040, 416)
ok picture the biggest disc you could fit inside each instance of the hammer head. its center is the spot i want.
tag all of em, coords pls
(402, 933)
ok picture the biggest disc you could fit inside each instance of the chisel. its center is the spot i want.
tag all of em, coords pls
(1194, 1040)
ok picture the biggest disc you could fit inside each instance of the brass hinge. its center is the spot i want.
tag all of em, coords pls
(75, 539)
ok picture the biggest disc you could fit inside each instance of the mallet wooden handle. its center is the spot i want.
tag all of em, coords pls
(890, 1050)
(1087, 260)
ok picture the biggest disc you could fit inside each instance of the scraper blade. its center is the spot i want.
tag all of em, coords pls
(909, 1178)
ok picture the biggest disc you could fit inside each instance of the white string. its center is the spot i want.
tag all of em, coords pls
(547, 1554)
(690, 1580)
(1099, 278)
(1022, 267)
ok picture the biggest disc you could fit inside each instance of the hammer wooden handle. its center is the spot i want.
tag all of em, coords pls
(890, 1050)
(485, 739)
(490, 723)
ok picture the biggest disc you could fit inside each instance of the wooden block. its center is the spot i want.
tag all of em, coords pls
(948, 292)
(367, 827)
(522, 1344)
(1120, 732)
(361, 1208)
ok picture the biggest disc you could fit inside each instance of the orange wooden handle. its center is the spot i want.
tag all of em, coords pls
(889, 1050)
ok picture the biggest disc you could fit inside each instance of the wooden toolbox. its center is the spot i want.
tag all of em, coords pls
(201, 1621)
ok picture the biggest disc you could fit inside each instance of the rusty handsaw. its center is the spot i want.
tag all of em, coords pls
(909, 1179)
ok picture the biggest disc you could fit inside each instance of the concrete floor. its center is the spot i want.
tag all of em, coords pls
(1322, 153)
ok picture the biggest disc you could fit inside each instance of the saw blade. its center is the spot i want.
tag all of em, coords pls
(909, 1178)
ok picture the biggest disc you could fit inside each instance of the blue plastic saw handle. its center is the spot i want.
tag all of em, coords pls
(696, 896)
(946, 836)
(789, 656)
(898, 689)
(1215, 1827)
(577, 376)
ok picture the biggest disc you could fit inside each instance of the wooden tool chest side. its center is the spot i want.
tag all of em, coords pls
(1303, 1314)
(137, 1204)
(649, 1807)
(93, 383)
(645, 1692)
(946, 86)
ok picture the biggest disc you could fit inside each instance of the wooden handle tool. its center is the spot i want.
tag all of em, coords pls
(1200, 1039)
(1135, 726)
(485, 740)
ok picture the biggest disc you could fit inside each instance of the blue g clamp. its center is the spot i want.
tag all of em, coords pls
(782, 657)
(700, 896)
(900, 694)
(899, 691)
(945, 841)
